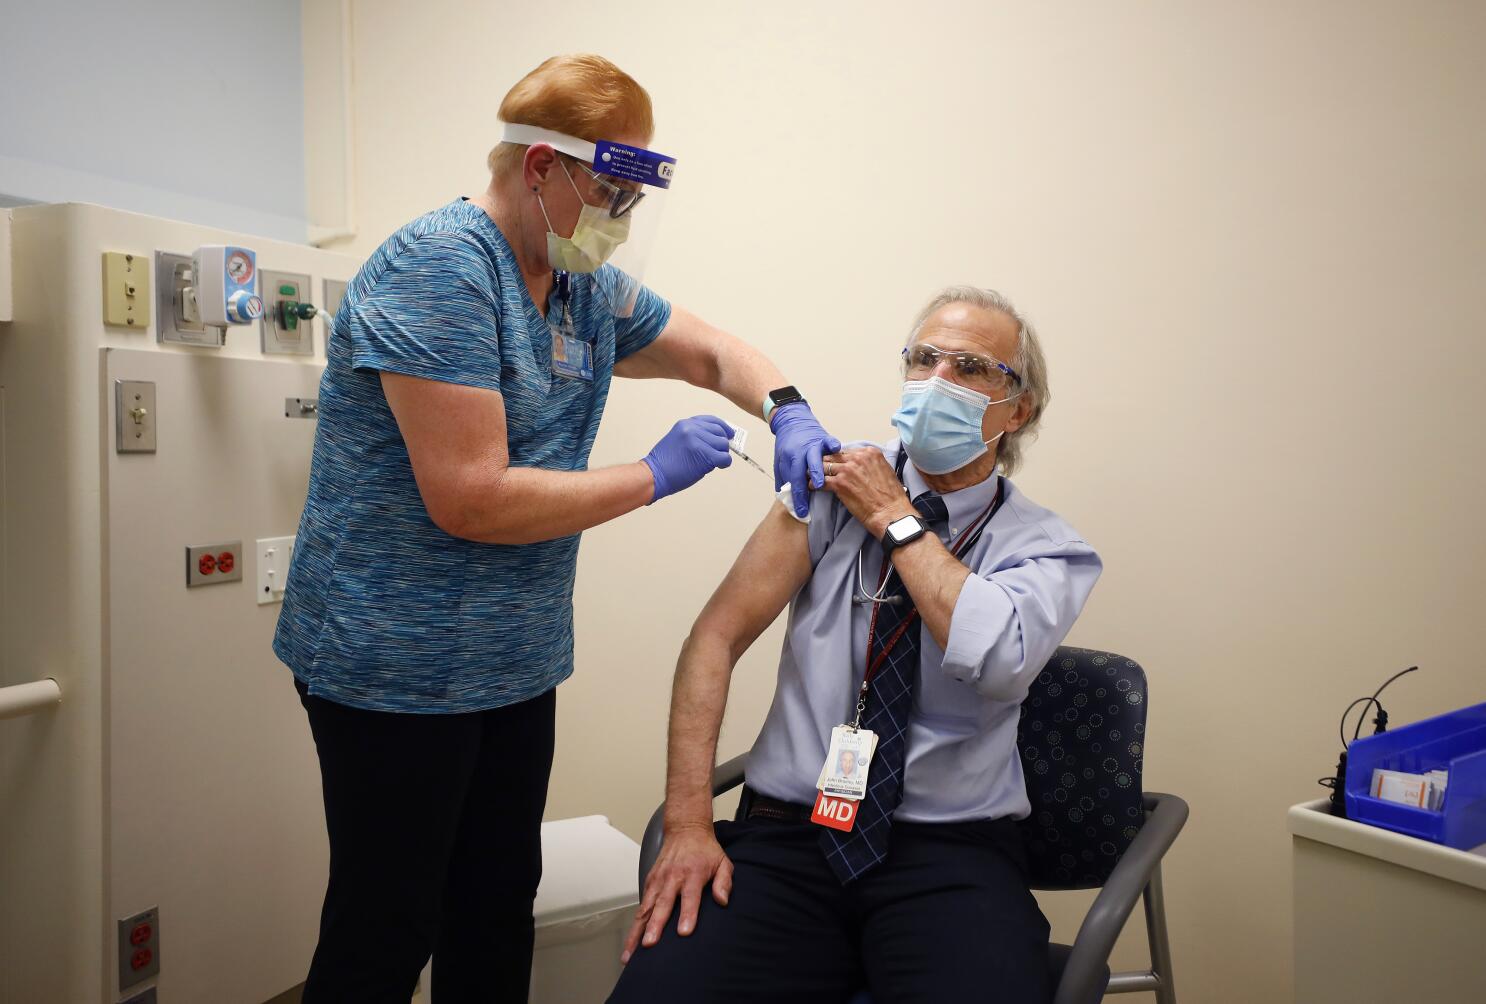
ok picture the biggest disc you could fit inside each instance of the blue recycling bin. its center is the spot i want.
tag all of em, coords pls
(1455, 742)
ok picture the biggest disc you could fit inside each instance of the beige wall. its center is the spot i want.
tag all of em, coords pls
(1252, 237)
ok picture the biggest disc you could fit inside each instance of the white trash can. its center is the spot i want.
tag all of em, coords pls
(585, 905)
(584, 908)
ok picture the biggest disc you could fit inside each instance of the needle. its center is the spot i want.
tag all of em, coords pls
(751, 462)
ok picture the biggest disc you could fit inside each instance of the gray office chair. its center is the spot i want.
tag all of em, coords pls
(1082, 743)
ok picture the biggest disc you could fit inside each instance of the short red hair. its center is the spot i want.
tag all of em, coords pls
(582, 95)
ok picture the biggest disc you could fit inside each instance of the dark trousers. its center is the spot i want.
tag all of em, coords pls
(435, 847)
(947, 917)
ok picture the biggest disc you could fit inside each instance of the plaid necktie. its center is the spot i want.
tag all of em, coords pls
(889, 702)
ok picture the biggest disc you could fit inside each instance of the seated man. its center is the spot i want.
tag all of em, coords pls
(925, 595)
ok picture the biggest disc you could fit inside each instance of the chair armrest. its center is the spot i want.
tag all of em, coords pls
(1167, 814)
(725, 777)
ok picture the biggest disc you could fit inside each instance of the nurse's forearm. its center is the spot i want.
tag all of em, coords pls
(744, 374)
(523, 505)
(698, 698)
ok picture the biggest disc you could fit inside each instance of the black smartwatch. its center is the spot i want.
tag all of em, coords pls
(903, 530)
(775, 398)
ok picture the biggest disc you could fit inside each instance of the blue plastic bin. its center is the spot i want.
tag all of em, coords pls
(1455, 742)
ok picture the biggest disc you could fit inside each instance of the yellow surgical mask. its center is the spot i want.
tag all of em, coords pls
(595, 238)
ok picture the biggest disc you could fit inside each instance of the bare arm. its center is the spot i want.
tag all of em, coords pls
(456, 439)
(705, 356)
(773, 566)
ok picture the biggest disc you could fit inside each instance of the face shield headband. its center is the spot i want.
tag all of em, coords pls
(630, 183)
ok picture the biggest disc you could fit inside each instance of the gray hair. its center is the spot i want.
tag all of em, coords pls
(1029, 363)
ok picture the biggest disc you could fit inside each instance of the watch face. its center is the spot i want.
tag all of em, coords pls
(901, 528)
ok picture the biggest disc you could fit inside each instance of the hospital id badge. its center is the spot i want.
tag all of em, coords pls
(844, 774)
(572, 357)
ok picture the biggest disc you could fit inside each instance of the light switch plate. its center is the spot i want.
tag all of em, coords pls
(135, 418)
(126, 290)
(274, 555)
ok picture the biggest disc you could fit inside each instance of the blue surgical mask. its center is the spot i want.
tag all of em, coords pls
(940, 424)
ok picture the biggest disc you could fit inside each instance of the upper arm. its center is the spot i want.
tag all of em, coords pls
(771, 569)
(456, 440)
(648, 316)
(685, 349)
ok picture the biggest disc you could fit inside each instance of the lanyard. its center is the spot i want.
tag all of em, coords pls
(962, 547)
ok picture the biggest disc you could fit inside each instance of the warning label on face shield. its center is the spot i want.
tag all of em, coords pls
(634, 164)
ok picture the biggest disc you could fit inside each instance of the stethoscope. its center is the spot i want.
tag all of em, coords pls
(860, 594)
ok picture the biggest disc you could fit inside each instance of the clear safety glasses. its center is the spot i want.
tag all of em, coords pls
(621, 200)
(983, 373)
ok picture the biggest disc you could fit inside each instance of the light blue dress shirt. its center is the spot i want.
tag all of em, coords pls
(1032, 573)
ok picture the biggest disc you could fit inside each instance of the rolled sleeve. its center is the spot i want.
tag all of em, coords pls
(1007, 624)
(433, 315)
(649, 318)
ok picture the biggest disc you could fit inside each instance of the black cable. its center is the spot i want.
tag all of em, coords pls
(1342, 726)
(1374, 697)
(1337, 783)
(1364, 701)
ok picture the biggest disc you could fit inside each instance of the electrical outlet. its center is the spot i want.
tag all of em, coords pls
(274, 555)
(139, 947)
(209, 564)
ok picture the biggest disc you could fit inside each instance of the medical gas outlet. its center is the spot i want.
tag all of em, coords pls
(225, 288)
(287, 313)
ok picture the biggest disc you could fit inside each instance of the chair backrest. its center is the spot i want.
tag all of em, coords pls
(1082, 742)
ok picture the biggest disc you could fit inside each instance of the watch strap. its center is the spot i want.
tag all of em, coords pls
(786, 395)
(889, 544)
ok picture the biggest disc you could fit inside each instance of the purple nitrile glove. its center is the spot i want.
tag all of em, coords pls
(692, 449)
(799, 443)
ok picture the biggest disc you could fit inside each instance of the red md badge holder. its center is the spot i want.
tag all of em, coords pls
(837, 813)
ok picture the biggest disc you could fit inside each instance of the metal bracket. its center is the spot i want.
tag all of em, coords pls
(302, 407)
(172, 279)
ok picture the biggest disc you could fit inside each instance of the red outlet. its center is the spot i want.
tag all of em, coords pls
(141, 958)
(207, 565)
(141, 934)
(225, 562)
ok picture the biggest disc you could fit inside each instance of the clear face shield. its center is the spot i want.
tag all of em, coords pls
(622, 189)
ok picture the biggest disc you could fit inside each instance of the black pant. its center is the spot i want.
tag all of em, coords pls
(947, 917)
(435, 846)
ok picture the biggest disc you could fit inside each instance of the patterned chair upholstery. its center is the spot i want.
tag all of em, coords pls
(1082, 740)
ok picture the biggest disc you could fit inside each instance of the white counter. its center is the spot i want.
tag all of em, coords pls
(1381, 917)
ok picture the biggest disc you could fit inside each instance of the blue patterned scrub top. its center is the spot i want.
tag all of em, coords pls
(383, 610)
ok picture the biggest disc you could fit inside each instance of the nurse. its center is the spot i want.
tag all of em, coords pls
(428, 617)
